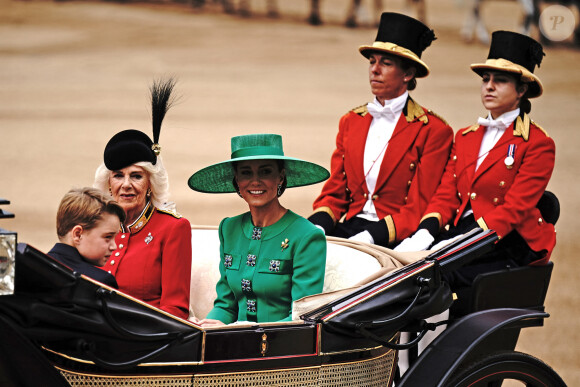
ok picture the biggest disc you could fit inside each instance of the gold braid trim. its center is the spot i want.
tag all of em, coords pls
(391, 227)
(433, 215)
(361, 110)
(328, 211)
(522, 127)
(415, 112)
(472, 128)
(482, 224)
(539, 127)
(173, 213)
(438, 116)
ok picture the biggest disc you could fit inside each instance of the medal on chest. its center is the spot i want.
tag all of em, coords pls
(509, 160)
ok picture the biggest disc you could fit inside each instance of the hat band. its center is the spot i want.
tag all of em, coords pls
(257, 151)
(526, 75)
(387, 46)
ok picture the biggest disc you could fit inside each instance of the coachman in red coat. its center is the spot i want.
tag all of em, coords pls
(390, 154)
(499, 168)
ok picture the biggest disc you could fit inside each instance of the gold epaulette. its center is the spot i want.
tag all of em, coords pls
(415, 112)
(438, 116)
(173, 213)
(472, 128)
(361, 110)
(539, 127)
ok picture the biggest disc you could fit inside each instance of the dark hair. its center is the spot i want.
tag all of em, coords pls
(525, 104)
(406, 64)
(279, 163)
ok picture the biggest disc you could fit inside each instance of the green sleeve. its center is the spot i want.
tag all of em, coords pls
(309, 264)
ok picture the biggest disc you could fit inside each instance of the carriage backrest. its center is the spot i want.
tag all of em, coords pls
(347, 264)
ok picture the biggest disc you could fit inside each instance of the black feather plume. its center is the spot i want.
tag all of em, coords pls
(161, 101)
(536, 54)
(425, 39)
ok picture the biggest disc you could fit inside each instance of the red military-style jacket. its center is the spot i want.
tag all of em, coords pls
(153, 260)
(503, 197)
(410, 171)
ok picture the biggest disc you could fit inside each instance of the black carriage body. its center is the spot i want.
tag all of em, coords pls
(85, 333)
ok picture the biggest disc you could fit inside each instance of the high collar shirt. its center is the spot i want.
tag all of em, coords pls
(382, 126)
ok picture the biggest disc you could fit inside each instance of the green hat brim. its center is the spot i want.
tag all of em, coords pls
(218, 178)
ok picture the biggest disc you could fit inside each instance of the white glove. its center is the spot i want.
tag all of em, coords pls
(419, 241)
(445, 242)
(363, 236)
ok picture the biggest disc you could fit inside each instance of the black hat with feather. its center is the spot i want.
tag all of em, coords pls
(132, 146)
(516, 54)
(402, 36)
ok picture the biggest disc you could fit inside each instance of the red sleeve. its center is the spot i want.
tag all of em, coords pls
(176, 269)
(445, 200)
(430, 167)
(527, 188)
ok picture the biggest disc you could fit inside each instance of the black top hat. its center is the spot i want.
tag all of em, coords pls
(403, 36)
(132, 146)
(514, 53)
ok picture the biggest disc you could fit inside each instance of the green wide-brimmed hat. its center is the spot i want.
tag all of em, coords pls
(218, 178)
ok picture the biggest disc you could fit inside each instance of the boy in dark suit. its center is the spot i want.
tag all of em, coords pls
(87, 222)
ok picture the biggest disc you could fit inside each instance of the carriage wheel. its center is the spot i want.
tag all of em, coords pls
(518, 368)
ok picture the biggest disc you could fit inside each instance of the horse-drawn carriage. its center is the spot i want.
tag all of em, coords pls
(60, 328)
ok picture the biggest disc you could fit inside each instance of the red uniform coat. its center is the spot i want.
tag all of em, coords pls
(410, 171)
(153, 261)
(503, 199)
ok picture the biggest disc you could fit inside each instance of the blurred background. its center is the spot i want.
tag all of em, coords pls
(73, 73)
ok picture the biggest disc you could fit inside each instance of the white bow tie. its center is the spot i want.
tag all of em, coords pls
(380, 111)
(491, 123)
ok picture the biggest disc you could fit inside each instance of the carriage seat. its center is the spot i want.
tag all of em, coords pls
(348, 264)
(517, 287)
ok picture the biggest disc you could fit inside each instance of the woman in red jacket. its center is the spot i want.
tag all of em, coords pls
(499, 168)
(153, 257)
(390, 153)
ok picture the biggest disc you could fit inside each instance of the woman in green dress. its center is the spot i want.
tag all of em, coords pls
(269, 256)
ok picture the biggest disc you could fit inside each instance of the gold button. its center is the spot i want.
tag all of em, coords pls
(117, 254)
(343, 157)
(347, 190)
(501, 183)
(375, 197)
(540, 221)
(344, 173)
(351, 200)
(459, 194)
(495, 201)
(110, 272)
(405, 199)
(457, 210)
(123, 236)
(454, 157)
(473, 196)
(454, 176)
(113, 262)
(121, 246)
(365, 195)
(408, 183)
(412, 166)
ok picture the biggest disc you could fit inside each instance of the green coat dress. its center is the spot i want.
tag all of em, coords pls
(264, 269)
